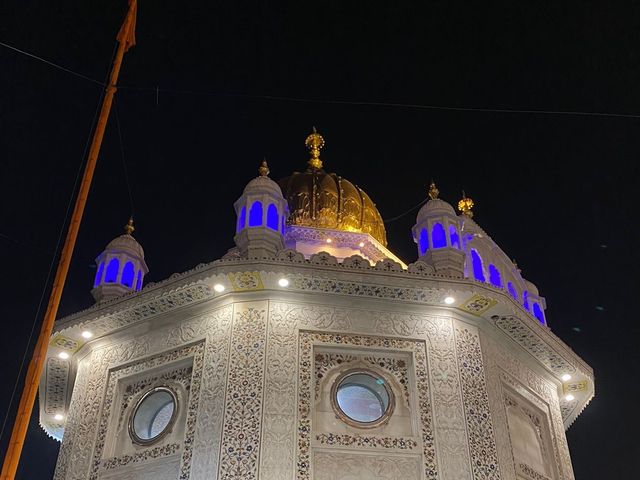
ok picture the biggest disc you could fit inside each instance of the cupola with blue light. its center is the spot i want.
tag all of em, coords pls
(486, 262)
(121, 267)
(261, 213)
(437, 234)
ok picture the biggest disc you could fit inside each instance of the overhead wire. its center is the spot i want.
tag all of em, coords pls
(92, 126)
(335, 101)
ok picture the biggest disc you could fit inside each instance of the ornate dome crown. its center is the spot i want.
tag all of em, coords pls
(326, 200)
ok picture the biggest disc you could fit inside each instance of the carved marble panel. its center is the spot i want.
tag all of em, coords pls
(243, 405)
(346, 466)
(503, 368)
(482, 443)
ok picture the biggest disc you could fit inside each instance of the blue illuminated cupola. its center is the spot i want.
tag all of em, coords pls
(261, 212)
(437, 234)
(121, 267)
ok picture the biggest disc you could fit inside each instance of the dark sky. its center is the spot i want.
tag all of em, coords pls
(556, 192)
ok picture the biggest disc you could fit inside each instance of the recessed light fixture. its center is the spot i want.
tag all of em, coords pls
(569, 397)
(329, 240)
(566, 377)
(218, 287)
(86, 334)
(361, 244)
(58, 416)
(449, 300)
(63, 355)
(283, 282)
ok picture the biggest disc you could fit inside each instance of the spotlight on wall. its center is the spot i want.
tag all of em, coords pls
(329, 240)
(218, 287)
(449, 300)
(283, 282)
(63, 355)
(86, 334)
(361, 244)
(58, 416)
(566, 377)
(569, 397)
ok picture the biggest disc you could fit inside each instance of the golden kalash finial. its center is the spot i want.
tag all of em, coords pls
(129, 228)
(433, 191)
(515, 264)
(465, 205)
(314, 143)
(264, 168)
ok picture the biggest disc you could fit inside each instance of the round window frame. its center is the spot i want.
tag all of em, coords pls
(384, 419)
(166, 430)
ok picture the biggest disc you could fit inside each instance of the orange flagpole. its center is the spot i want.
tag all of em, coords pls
(12, 457)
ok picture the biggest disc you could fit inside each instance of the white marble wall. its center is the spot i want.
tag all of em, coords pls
(252, 413)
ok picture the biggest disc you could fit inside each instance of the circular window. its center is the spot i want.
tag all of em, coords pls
(153, 415)
(362, 398)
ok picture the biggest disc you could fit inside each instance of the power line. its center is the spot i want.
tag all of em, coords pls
(60, 67)
(335, 101)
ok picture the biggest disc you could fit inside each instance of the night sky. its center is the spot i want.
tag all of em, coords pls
(213, 87)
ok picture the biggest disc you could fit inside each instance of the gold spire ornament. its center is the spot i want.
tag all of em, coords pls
(433, 191)
(314, 143)
(129, 228)
(264, 168)
(465, 205)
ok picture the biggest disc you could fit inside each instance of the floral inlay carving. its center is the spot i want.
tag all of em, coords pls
(306, 391)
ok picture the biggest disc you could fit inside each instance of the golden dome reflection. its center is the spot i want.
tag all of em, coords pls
(326, 200)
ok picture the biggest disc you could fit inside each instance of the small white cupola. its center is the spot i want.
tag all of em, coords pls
(437, 234)
(121, 267)
(261, 215)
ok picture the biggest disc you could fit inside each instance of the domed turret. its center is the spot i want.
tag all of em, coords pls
(325, 200)
(261, 213)
(437, 234)
(121, 267)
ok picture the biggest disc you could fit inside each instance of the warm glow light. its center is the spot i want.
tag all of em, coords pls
(361, 244)
(329, 240)
(58, 416)
(218, 287)
(63, 355)
(283, 282)
(566, 377)
(449, 300)
(86, 334)
(569, 397)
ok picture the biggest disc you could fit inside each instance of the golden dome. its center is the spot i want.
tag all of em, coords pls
(326, 200)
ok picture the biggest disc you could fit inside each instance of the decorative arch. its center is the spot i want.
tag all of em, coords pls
(423, 241)
(525, 300)
(537, 312)
(127, 275)
(512, 290)
(476, 262)
(255, 214)
(112, 271)
(99, 274)
(139, 281)
(453, 235)
(438, 237)
(494, 276)
(272, 217)
(242, 219)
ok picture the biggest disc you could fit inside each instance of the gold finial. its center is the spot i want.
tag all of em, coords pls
(433, 191)
(264, 168)
(516, 266)
(465, 205)
(129, 228)
(314, 143)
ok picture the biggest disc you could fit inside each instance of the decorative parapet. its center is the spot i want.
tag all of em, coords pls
(322, 273)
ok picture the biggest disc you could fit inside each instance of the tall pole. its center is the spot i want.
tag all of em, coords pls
(12, 457)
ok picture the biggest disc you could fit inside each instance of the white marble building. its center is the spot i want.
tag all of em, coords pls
(310, 351)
